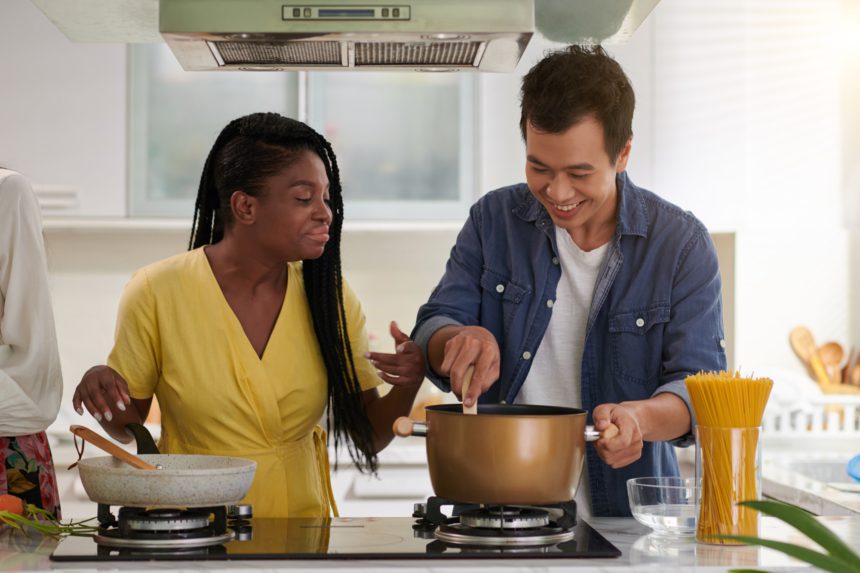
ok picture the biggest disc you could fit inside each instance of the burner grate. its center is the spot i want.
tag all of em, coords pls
(496, 526)
(163, 528)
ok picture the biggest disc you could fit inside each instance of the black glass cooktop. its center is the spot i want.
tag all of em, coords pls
(339, 538)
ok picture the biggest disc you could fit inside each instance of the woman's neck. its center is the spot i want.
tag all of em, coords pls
(241, 268)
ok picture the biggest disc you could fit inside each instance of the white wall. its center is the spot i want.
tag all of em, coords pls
(62, 112)
(747, 125)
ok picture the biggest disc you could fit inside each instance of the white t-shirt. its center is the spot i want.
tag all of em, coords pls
(31, 383)
(555, 377)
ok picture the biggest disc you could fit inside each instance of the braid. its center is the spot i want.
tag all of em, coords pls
(347, 416)
(248, 151)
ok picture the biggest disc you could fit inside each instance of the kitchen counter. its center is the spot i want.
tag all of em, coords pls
(641, 552)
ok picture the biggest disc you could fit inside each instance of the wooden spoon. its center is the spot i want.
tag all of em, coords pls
(111, 448)
(467, 380)
(832, 354)
(803, 343)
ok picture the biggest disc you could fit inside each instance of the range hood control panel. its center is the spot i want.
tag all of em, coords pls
(376, 12)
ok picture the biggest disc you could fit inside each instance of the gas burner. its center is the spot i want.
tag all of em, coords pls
(505, 517)
(168, 520)
(168, 529)
(496, 526)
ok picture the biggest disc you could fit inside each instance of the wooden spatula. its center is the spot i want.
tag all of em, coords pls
(467, 381)
(111, 448)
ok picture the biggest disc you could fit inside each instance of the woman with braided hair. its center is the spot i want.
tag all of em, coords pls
(247, 337)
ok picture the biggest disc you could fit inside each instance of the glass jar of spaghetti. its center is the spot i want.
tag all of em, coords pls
(728, 467)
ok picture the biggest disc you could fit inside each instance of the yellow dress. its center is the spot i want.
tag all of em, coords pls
(177, 338)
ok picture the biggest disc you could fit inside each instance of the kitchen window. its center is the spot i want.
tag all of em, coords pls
(405, 142)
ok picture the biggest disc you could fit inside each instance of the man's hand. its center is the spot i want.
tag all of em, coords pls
(626, 446)
(472, 345)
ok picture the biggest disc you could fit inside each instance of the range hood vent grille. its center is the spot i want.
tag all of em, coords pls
(417, 53)
(285, 53)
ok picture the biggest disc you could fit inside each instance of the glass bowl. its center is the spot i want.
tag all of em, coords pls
(668, 505)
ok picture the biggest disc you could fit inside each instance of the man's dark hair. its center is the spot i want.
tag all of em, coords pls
(246, 153)
(568, 85)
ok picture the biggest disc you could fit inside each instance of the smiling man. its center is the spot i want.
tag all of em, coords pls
(579, 288)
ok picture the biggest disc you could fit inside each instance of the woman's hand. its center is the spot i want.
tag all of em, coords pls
(103, 391)
(403, 368)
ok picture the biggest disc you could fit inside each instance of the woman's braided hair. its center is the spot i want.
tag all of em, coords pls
(246, 153)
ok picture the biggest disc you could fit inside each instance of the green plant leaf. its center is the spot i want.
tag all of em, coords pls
(806, 523)
(820, 560)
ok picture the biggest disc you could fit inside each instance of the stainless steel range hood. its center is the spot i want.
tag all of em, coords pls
(343, 34)
(424, 35)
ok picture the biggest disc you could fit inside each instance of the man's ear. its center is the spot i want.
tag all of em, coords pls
(623, 156)
(244, 207)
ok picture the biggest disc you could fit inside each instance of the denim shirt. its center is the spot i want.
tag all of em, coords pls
(656, 315)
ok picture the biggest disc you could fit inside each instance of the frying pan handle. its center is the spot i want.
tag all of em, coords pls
(405, 427)
(592, 435)
(145, 443)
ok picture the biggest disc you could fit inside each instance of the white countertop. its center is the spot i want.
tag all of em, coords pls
(641, 552)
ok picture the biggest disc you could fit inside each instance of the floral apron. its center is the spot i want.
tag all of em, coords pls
(27, 471)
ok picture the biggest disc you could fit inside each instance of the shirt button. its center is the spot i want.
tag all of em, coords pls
(555, 260)
(722, 343)
(527, 355)
(500, 288)
(640, 322)
(550, 302)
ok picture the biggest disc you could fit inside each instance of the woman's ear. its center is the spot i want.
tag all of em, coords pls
(244, 207)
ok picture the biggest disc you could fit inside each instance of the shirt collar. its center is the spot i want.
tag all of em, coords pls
(632, 211)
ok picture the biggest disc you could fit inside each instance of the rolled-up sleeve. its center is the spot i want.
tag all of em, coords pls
(694, 340)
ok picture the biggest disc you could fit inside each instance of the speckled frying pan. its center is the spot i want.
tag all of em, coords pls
(178, 481)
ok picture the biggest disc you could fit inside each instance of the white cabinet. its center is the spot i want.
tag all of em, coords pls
(402, 481)
(62, 114)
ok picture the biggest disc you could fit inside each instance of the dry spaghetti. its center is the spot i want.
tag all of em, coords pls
(728, 409)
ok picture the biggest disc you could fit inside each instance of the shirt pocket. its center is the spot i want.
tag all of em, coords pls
(637, 343)
(501, 300)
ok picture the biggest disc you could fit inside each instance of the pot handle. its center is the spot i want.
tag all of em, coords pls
(405, 427)
(592, 435)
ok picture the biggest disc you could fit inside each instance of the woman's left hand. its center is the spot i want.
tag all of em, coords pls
(403, 368)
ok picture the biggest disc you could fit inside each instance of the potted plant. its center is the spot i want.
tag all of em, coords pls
(837, 558)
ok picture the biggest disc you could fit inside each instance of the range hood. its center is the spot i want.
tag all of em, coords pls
(338, 34)
(422, 35)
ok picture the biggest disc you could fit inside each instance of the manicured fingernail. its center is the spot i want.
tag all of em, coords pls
(80, 411)
(401, 347)
(367, 354)
(120, 405)
(97, 416)
(108, 416)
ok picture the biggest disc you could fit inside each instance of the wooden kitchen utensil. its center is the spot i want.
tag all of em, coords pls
(111, 448)
(803, 344)
(832, 354)
(467, 381)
